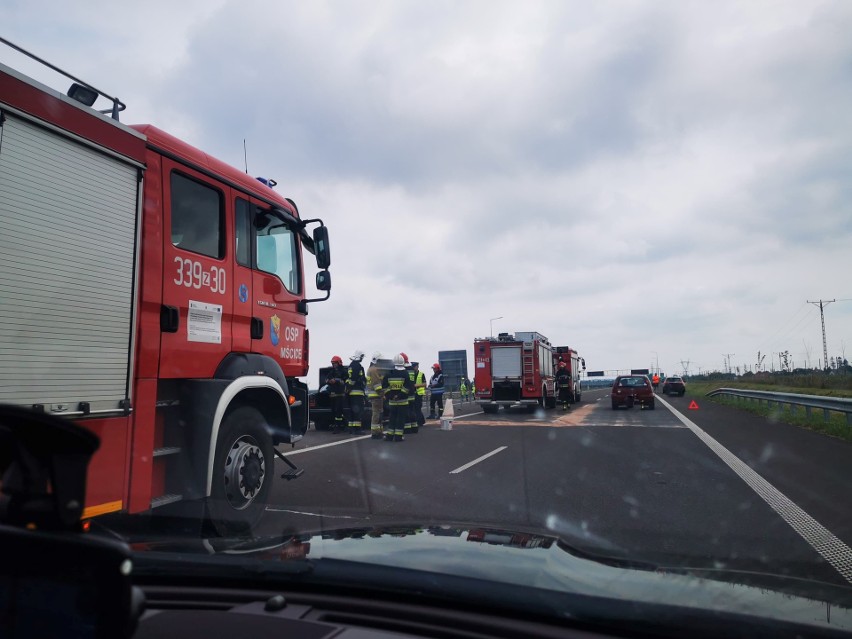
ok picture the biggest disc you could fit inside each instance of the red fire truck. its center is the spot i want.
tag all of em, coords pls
(575, 365)
(514, 370)
(156, 296)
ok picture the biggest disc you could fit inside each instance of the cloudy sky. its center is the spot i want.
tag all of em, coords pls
(643, 181)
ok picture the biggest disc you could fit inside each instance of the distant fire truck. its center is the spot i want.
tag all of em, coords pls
(154, 295)
(575, 364)
(514, 370)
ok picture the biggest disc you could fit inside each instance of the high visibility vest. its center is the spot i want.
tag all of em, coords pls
(420, 383)
(412, 376)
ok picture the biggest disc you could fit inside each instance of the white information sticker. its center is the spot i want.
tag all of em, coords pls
(205, 323)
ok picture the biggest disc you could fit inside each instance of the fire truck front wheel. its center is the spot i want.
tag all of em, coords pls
(242, 472)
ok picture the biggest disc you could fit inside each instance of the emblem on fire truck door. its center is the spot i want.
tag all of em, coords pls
(275, 329)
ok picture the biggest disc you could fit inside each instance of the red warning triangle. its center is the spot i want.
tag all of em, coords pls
(693, 405)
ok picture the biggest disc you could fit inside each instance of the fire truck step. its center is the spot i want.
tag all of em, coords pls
(163, 500)
(292, 473)
(166, 450)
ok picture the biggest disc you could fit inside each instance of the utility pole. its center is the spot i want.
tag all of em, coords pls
(728, 361)
(822, 304)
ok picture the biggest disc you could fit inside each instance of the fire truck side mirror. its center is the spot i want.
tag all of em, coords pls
(323, 251)
(323, 280)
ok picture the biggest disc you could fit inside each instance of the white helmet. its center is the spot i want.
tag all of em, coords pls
(357, 355)
(376, 357)
(399, 362)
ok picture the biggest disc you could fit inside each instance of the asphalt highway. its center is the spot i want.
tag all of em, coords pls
(711, 487)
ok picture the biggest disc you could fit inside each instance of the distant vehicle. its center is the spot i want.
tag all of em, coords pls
(674, 386)
(629, 390)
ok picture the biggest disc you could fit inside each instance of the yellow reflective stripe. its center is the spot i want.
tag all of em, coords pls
(102, 509)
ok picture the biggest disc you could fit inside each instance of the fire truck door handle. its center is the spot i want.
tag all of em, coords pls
(256, 328)
(169, 319)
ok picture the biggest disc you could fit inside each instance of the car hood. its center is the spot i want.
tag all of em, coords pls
(517, 558)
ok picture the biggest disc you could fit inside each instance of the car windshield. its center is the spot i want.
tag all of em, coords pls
(544, 215)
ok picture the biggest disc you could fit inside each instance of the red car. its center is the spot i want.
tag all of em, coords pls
(629, 390)
(674, 386)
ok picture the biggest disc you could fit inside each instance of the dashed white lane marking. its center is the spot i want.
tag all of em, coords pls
(312, 448)
(832, 549)
(477, 460)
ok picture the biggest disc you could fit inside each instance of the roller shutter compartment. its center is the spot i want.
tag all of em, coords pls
(67, 227)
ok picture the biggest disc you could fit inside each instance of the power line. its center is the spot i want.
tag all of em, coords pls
(784, 328)
(822, 304)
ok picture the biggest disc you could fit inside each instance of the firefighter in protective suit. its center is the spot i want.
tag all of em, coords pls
(336, 382)
(397, 387)
(356, 388)
(411, 425)
(563, 384)
(374, 394)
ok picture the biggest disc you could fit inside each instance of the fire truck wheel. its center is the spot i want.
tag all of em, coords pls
(242, 472)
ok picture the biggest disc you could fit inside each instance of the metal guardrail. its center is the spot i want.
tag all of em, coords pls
(827, 405)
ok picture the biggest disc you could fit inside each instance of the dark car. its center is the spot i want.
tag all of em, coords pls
(629, 390)
(674, 386)
(320, 402)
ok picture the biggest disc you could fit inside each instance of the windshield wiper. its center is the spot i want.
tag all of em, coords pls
(159, 564)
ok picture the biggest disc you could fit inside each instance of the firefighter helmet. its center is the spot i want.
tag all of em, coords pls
(357, 355)
(399, 361)
(436, 366)
(337, 359)
(376, 357)
(404, 357)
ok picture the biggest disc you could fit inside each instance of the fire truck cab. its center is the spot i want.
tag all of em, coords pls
(514, 370)
(156, 296)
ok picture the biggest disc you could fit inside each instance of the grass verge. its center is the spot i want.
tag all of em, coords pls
(835, 427)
